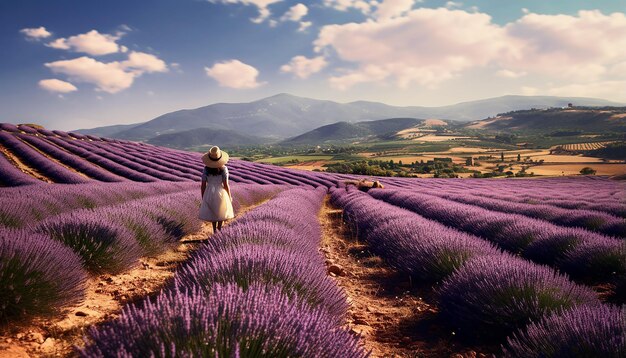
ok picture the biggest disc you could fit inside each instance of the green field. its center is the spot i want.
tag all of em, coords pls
(294, 158)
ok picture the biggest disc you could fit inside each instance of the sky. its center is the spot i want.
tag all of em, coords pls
(82, 64)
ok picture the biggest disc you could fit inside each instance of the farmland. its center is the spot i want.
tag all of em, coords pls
(102, 254)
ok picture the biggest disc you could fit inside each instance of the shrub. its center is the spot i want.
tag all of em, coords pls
(493, 295)
(552, 245)
(597, 260)
(229, 322)
(425, 249)
(37, 275)
(246, 265)
(581, 332)
(587, 171)
(104, 246)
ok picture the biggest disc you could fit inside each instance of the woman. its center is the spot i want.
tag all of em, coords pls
(217, 203)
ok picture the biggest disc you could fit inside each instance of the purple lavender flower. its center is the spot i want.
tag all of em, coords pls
(38, 275)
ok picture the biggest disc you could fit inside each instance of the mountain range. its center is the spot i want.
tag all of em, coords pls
(284, 116)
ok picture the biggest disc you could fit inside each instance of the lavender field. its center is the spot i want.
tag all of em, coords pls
(514, 268)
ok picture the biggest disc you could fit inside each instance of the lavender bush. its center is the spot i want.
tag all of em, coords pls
(104, 246)
(582, 332)
(37, 275)
(494, 295)
(229, 322)
(246, 265)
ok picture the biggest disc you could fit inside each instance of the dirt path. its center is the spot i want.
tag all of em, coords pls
(105, 297)
(394, 317)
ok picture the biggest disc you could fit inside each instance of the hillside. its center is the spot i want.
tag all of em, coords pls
(344, 131)
(577, 119)
(283, 115)
(204, 137)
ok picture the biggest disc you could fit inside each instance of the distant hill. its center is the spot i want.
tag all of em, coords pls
(283, 115)
(107, 131)
(203, 137)
(343, 131)
(577, 119)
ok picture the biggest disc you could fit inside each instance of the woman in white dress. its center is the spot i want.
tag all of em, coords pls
(217, 203)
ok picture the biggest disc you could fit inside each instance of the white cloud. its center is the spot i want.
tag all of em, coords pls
(37, 33)
(426, 46)
(261, 5)
(110, 77)
(393, 8)
(295, 13)
(304, 25)
(234, 74)
(609, 89)
(564, 46)
(144, 62)
(55, 85)
(453, 4)
(92, 43)
(303, 67)
(510, 74)
(344, 5)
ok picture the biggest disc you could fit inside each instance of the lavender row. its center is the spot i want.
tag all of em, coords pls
(11, 176)
(591, 220)
(105, 163)
(132, 164)
(484, 294)
(584, 255)
(39, 162)
(23, 206)
(257, 288)
(72, 161)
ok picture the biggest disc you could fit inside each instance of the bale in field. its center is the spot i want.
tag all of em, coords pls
(364, 185)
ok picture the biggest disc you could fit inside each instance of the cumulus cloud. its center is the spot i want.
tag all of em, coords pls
(393, 8)
(234, 74)
(261, 5)
(110, 77)
(295, 13)
(37, 33)
(304, 25)
(92, 43)
(609, 89)
(344, 5)
(144, 62)
(426, 46)
(303, 67)
(585, 45)
(55, 85)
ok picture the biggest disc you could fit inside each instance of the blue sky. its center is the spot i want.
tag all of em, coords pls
(78, 64)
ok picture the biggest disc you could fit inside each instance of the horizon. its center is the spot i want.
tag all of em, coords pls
(129, 63)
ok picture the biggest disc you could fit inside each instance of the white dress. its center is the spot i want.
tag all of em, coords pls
(216, 205)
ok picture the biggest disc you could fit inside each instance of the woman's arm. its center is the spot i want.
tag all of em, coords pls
(227, 188)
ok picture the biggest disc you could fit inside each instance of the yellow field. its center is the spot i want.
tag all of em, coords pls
(566, 159)
(571, 169)
(584, 146)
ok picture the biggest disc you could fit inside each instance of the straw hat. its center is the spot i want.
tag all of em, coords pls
(215, 158)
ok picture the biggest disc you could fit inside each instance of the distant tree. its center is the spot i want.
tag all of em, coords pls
(519, 157)
(588, 171)
(501, 156)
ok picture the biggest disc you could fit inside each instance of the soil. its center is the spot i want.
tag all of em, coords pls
(394, 317)
(22, 166)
